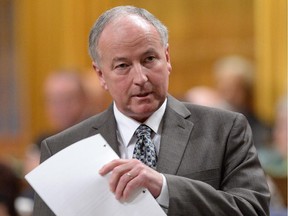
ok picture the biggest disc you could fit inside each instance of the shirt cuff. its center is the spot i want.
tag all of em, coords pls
(163, 198)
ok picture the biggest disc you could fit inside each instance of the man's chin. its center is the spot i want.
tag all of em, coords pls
(143, 112)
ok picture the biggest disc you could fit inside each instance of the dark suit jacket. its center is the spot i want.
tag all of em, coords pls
(207, 156)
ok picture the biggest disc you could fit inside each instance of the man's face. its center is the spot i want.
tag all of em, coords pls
(134, 66)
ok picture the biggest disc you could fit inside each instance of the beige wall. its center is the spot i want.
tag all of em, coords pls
(53, 34)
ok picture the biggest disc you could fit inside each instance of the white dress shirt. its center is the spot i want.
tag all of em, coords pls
(126, 127)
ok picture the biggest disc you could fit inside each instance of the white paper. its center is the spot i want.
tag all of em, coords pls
(70, 185)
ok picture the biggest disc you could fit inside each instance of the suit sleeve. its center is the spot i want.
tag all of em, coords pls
(40, 207)
(243, 189)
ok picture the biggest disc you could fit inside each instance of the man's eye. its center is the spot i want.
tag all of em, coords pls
(121, 66)
(150, 58)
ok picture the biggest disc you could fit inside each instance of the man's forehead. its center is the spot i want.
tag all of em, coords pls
(128, 24)
(129, 18)
(128, 30)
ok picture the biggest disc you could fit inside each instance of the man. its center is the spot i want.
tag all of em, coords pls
(65, 99)
(205, 96)
(234, 76)
(205, 162)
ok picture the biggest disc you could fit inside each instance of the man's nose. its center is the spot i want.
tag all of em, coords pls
(140, 74)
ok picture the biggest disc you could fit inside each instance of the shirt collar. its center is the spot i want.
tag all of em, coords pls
(127, 126)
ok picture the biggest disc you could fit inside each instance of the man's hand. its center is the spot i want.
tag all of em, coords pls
(129, 175)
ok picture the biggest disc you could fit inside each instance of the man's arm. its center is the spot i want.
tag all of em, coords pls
(242, 191)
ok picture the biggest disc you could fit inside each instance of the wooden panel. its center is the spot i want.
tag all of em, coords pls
(271, 53)
(13, 131)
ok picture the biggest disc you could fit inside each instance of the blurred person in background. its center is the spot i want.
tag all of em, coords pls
(205, 96)
(9, 189)
(234, 76)
(273, 158)
(24, 203)
(66, 102)
(65, 99)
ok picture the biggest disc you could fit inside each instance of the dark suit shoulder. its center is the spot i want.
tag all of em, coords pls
(82, 130)
(199, 112)
(205, 117)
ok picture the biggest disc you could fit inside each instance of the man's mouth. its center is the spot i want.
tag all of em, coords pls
(143, 94)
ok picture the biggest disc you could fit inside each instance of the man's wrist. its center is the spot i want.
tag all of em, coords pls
(163, 198)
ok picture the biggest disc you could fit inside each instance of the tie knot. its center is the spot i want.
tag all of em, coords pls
(143, 130)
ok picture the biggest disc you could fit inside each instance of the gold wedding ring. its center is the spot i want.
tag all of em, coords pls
(129, 175)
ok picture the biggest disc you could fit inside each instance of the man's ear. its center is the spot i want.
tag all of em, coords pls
(100, 76)
(167, 55)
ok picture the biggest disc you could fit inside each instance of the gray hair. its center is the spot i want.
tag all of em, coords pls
(113, 14)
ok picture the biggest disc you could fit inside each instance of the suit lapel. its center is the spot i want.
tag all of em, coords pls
(106, 126)
(176, 131)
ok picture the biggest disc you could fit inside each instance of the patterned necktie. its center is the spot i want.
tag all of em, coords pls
(145, 150)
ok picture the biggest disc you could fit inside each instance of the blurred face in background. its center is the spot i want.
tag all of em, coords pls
(233, 90)
(64, 101)
(234, 76)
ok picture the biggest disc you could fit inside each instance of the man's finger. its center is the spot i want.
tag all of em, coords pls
(111, 165)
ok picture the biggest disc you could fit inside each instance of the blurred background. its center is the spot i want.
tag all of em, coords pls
(41, 38)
